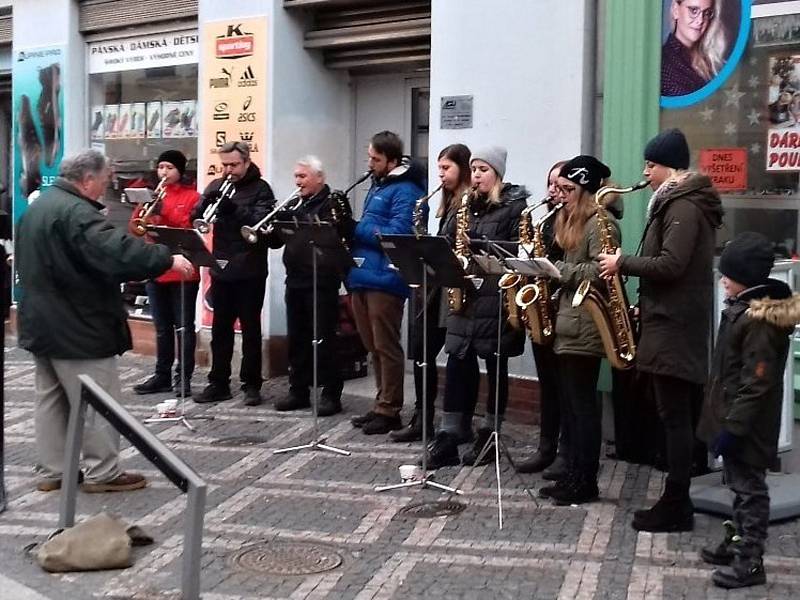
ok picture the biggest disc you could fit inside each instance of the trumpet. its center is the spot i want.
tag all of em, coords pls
(225, 192)
(250, 233)
(146, 210)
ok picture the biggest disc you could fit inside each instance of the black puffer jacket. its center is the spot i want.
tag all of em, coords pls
(253, 200)
(676, 288)
(476, 326)
(745, 390)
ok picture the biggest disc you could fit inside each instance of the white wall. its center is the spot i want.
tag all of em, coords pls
(522, 61)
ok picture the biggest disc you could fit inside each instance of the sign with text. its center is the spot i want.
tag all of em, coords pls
(144, 52)
(456, 112)
(783, 149)
(727, 167)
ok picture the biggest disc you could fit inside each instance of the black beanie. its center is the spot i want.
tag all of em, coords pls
(747, 259)
(668, 148)
(586, 171)
(173, 157)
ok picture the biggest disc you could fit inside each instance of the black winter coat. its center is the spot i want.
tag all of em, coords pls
(476, 326)
(253, 200)
(745, 390)
(71, 261)
(676, 287)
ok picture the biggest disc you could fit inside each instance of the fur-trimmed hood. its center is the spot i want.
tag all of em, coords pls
(772, 302)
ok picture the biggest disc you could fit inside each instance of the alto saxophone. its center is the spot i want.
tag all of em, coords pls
(456, 297)
(535, 300)
(609, 308)
(511, 283)
(420, 223)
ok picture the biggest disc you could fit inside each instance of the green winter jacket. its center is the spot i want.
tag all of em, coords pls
(71, 261)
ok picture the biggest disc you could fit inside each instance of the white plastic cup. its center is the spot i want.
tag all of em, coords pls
(409, 473)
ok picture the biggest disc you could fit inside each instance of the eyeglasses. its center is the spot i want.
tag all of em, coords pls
(695, 12)
(565, 189)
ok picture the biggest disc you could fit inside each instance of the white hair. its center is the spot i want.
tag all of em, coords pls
(313, 163)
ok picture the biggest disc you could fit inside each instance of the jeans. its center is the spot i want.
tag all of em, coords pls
(171, 313)
(578, 392)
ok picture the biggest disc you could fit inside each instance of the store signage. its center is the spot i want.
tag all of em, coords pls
(727, 167)
(235, 43)
(144, 52)
(783, 149)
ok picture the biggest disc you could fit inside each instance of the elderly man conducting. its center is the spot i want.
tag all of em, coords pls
(70, 262)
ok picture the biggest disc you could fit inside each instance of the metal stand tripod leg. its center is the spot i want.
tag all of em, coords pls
(316, 443)
(426, 481)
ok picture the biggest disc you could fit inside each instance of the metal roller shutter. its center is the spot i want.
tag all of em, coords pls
(5, 29)
(102, 15)
(376, 35)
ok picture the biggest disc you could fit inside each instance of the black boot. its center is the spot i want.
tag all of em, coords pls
(329, 405)
(153, 385)
(411, 432)
(559, 486)
(443, 451)
(722, 553)
(744, 571)
(542, 459)
(579, 489)
(673, 511)
(471, 456)
(557, 470)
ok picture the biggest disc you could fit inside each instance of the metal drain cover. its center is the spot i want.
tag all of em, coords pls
(285, 558)
(240, 440)
(430, 510)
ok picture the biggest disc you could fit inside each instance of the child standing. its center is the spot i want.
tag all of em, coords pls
(742, 412)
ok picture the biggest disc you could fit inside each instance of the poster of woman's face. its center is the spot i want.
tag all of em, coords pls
(698, 38)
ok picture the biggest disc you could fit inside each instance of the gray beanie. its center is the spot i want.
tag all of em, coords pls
(495, 156)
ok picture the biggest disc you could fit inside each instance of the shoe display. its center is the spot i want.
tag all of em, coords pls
(443, 451)
(744, 571)
(328, 406)
(381, 424)
(673, 511)
(471, 456)
(124, 482)
(213, 392)
(557, 470)
(361, 420)
(155, 384)
(722, 553)
(252, 396)
(293, 401)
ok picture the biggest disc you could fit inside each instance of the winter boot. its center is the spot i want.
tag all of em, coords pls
(745, 570)
(722, 553)
(673, 511)
(542, 459)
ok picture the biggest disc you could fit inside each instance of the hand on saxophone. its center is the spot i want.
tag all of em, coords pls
(182, 265)
(608, 264)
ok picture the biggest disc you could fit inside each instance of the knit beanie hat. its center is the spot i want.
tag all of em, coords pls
(586, 171)
(175, 158)
(668, 148)
(494, 156)
(747, 259)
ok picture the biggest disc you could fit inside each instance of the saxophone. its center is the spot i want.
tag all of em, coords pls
(609, 308)
(534, 298)
(456, 297)
(511, 283)
(341, 211)
(420, 223)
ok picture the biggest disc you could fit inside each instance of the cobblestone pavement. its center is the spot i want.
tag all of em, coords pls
(258, 498)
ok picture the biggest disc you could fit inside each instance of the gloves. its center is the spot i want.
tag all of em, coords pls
(725, 444)
(226, 207)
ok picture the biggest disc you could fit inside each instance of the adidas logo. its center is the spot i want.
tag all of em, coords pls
(248, 78)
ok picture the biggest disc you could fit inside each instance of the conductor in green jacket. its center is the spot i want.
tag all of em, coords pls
(71, 262)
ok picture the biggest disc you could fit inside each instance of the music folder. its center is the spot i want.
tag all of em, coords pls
(535, 267)
(408, 251)
(320, 235)
(188, 242)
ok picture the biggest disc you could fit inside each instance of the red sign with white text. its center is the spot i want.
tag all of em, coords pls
(727, 167)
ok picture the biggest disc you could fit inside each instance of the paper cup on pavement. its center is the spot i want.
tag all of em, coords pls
(408, 473)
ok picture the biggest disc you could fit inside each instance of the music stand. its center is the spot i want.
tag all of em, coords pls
(421, 259)
(190, 244)
(494, 263)
(318, 236)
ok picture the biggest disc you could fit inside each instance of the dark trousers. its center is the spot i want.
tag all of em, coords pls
(578, 393)
(750, 504)
(463, 378)
(300, 329)
(436, 336)
(236, 300)
(173, 316)
(674, 402)
(552, 424)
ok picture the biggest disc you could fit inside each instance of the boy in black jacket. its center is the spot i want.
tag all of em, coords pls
(742, 413)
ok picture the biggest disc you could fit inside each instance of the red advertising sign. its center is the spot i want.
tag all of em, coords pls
(783, 150)
(235, 47)
(727, 167)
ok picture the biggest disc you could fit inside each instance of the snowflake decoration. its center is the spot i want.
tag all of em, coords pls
(755, 148)
(753, 81)
(730, 129)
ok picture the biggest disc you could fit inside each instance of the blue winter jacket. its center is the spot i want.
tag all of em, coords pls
(388, 209)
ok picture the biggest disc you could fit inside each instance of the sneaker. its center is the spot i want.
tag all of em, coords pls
(361, 420)
(252, 396)
(557, 470)
(214, 392)
(52, 485)
(744, 571)
(443, 451)
(292, 402)
(155, 384)
(124, 482)
(328, 406)
(722, 553)
(470, 457)
(382, 424)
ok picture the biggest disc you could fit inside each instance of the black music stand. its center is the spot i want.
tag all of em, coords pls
(319, 237)
(189, 243)
(494, 261)
(420, 260)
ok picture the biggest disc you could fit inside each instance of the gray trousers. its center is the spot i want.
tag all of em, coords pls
(57, 391)
(750, 504)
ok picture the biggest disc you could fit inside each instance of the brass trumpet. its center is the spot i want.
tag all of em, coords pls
(250, 233)
(226, 191)
(146, 210)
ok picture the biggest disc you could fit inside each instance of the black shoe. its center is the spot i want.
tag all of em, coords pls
(292, 402)
(214, 392)
(471, 456)
(536, 463)
(153, 385)
(382, 424)
(673, 512)
(557, 487)
(411, 432)
(361, 420)
(576, 490)
(182, 391)
(329, 406)
(557, 469)
(744, 571)
(722, 553)
(443, 451)
(252, 395)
